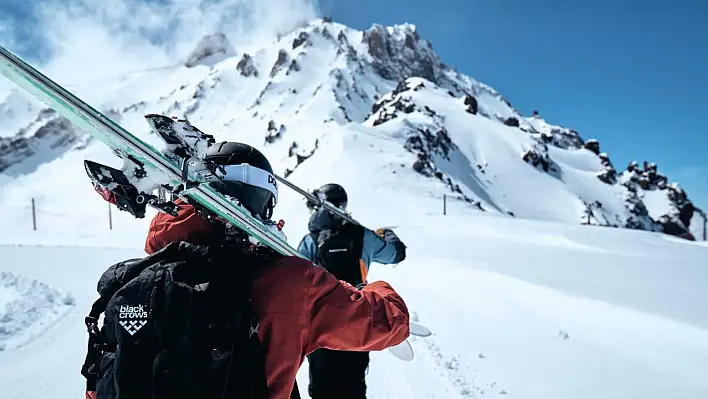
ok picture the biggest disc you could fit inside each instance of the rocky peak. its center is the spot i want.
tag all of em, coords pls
(210, 50)
(46, 138)
(398, 53)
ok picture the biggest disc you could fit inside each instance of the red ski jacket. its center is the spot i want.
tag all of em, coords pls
(301, 306)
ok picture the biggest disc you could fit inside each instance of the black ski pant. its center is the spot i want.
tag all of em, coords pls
(337, 374)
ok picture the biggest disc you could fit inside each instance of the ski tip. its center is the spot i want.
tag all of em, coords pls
(419, 330)
(403, 351)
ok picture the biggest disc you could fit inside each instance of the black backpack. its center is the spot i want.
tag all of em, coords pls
(178, 324)
(339, 251)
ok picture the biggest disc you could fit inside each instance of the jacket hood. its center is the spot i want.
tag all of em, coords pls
(186, 226)
(323, 220)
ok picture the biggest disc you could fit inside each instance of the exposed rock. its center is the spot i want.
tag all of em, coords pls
(302, 38)
(300, 158)
(471, 104)
(246, 67)
(533, 157)
(388, 106)
(512, 121)
(274, 133)
(633, 166)
(48, 134)
(400, 54)
(593, 145)
(294, 67)
(279, 63)
(210, 50)
(609, 174)
(327, 34)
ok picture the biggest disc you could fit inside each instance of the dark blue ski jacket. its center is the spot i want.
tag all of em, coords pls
(386, 250)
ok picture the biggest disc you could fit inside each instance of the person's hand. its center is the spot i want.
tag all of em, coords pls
(312, 205)
(387, 234)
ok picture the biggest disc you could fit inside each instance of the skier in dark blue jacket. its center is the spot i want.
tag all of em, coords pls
(345, 250)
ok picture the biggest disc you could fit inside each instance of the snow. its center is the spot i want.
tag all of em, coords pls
(533, 305)
(656, 202)
(28, 308)
(17, 109)
(586, 312)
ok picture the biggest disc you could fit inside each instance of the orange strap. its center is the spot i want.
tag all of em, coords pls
(363, 270)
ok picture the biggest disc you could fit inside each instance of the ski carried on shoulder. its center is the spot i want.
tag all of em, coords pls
(178, 169)
(145, 168)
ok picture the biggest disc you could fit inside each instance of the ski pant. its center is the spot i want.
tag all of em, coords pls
(337, 374)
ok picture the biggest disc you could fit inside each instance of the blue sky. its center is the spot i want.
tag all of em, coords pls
(631, 73)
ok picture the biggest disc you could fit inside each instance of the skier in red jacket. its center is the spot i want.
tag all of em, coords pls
(302, 307)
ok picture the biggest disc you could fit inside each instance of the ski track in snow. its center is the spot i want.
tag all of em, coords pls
(497, 332)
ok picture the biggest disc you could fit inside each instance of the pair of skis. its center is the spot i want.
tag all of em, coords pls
(176, 169)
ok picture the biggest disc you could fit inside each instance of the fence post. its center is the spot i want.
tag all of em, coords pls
(34, 216)
(444, 204)
(110, 218)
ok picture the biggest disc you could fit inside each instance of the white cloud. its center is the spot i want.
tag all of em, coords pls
(93, 40)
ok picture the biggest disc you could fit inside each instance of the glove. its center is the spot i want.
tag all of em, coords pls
(387, 234)
(390, 237)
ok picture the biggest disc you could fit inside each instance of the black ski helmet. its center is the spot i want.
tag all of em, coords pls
(335, 194)
(249, 176)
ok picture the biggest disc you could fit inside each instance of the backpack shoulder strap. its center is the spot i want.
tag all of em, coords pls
(231, 285)
(356, 232)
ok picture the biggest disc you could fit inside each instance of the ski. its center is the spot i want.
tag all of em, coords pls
(148, 164)
(419, 330)
(403, 351)
(177, 169)
(316, 201)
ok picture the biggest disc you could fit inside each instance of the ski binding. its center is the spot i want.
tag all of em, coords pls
(115, 188)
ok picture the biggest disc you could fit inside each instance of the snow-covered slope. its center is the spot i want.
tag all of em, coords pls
(325, 79)
(28, 308)
(17, 109)
(518, 309)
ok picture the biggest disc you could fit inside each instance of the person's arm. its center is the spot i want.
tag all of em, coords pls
(307, 248)
(384, 246)
(343, 318)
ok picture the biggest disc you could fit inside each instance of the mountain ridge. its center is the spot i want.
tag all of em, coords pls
(323, 78)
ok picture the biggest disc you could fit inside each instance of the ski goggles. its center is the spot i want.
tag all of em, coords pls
(247, 174)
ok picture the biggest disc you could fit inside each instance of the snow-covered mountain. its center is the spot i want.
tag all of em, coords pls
(327, 83)
(532, 309)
